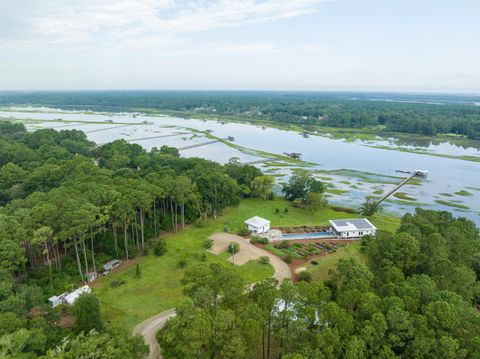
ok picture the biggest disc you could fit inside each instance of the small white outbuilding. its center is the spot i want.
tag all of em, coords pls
(258, 225)
(72, 297)
(55, 300)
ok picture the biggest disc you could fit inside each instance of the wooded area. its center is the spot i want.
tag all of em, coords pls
(69, 206)
(420, 114)
(416, 297)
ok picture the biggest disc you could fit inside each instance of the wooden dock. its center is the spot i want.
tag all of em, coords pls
(198, 145)
(159, 136)
(392, 191)
(261, 161)
(110, 128)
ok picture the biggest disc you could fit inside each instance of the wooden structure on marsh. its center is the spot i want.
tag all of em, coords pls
(229, 138)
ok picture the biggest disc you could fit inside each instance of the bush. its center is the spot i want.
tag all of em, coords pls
(277, 210)
(160, 248)
(117, 283)
(264, 260)
(288, 258)
(146, 251)
(244, 232)
(282, 245)
(285, 210)
(233, 247)
(262, 240)
(138, 273)
(257, 239)
(203, 258)
(182, 263)
(305, 276)
(208, 243)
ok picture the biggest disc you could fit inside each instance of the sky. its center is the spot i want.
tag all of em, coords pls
(367, 45)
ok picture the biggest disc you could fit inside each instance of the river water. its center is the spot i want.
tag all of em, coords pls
(353, 170)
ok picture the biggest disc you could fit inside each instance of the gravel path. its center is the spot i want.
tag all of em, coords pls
(248, 252)
(150, 327)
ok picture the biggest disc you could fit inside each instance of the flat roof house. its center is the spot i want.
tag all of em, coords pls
(352, 228)
(258, 225)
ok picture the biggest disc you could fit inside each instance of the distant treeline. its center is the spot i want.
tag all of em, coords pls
(421, 114)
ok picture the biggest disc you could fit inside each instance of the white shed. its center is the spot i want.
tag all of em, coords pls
(352, 228)
(55, 301)
(72, 297)
(258, 225)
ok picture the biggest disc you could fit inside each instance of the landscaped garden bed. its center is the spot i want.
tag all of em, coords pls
(298, 250)
(302, 229)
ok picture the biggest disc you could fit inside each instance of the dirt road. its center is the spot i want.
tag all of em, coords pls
(150, 327)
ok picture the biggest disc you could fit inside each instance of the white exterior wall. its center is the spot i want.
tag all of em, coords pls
(355, 234)
(262, 229)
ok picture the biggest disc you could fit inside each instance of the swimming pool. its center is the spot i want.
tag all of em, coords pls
(313, 235)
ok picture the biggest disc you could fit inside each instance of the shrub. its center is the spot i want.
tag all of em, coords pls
(243, 232)
(305, 276)
(160, 248)
(208, 243)
(283, 244)
(262, 240)
(182, 263)
(203, 258)
(146, 251)
(277, 210)
(117, 283)
(257, 239)
(138, 273)
(285, 210)
(288, 258)
(234, 247)
(264, 260)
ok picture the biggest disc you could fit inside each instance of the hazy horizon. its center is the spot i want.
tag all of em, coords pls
(234, 45)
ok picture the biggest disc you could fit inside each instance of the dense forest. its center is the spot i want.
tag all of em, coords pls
(68, 206)
(415, 296)
(419, 114)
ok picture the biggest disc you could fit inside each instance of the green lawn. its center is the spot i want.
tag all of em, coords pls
(329, 262)
(159, 287)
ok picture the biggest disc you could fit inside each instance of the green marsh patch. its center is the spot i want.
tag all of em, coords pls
(451, 204)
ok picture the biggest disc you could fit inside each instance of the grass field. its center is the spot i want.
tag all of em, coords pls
(328, 263)
(159, 286)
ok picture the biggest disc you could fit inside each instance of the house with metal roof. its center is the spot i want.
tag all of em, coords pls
(258, 225)
(352, 228)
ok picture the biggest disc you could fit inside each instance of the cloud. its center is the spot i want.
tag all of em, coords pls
(114, 21)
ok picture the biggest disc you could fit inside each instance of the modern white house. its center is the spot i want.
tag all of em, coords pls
(258, 225)
(352, 228)
(72, 297)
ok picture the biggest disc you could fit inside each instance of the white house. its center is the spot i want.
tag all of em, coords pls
(72, 297)
(258, 225)
(352, 228)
